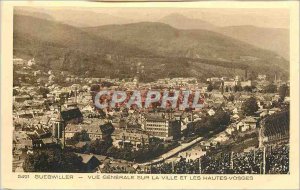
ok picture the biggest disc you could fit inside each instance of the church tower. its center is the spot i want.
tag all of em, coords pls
(58, 128)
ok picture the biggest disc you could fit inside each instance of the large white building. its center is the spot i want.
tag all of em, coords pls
(162, 126)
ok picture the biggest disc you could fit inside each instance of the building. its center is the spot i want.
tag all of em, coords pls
(93, 130)
(31, 62)
(249, 123)
(262, 77)
(134, 137)
(22, 140)
(230, 83)
(161, 126)
(22, 98)
(211, 112)
(73, 115)
(246, 83)
(89, 162)
(58, 127)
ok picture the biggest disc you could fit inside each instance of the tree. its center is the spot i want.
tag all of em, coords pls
(52, 160)
(121, 153)
(113, 152)
(222, 117)
(81, 136)
(231, 98)
(237, 88)
(107, 129)
(15, 92)
(210, 87)
(100, 147)
(43, 91)
(271, 88)
(249, 107)
(283, 91)
(95, 88)
(226, 89)
(248, 88)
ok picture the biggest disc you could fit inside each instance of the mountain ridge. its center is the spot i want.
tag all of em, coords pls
(116, 49)
(274, 39)
(182, 22)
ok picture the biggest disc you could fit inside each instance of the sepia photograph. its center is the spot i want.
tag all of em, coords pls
(62, 57)
(202, 92)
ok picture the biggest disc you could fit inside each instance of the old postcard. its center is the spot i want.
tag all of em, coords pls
(165, 95)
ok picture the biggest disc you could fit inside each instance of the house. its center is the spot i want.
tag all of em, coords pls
(72, 115)
(89, 161)
(246, 83)
(93, 130)
(211, 112)
(41, 133)
(22, 140)
(274, 110)
(230, 130)
(221, 137)
(262, 113)
(260, 104)
(235, 110)
(103, 159)
(134, 137)
(81, 145)
(249, 123)
(287, 99)
(49, 142)
(235, 117)
(88, 108)
(43, 143)
(31, 62)
(262, 77)
(18, 61)
(230, 83)
(22, 98)
(119, 167)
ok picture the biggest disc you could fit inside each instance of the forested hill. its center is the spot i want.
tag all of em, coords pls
(113, 50)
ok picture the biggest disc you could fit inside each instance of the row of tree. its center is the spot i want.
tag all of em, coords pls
(209, 124)
(53, 160)
(283, 90)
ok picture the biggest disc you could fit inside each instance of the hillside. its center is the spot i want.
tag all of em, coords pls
(60, 46)
(167, 41)
(114, 50)
(70, 37)
(274, 39)
(181, 22)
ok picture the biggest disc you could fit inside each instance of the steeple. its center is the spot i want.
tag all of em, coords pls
(58, 127)
(58, 116)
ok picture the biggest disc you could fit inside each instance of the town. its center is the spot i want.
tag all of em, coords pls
(242, 127)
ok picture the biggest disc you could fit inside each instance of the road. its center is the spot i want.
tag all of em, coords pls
(172, 152)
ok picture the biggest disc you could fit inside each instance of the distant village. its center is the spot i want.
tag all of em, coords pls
(229, 128)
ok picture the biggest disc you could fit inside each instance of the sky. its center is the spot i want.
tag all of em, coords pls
(274, 18)
(263, 17)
